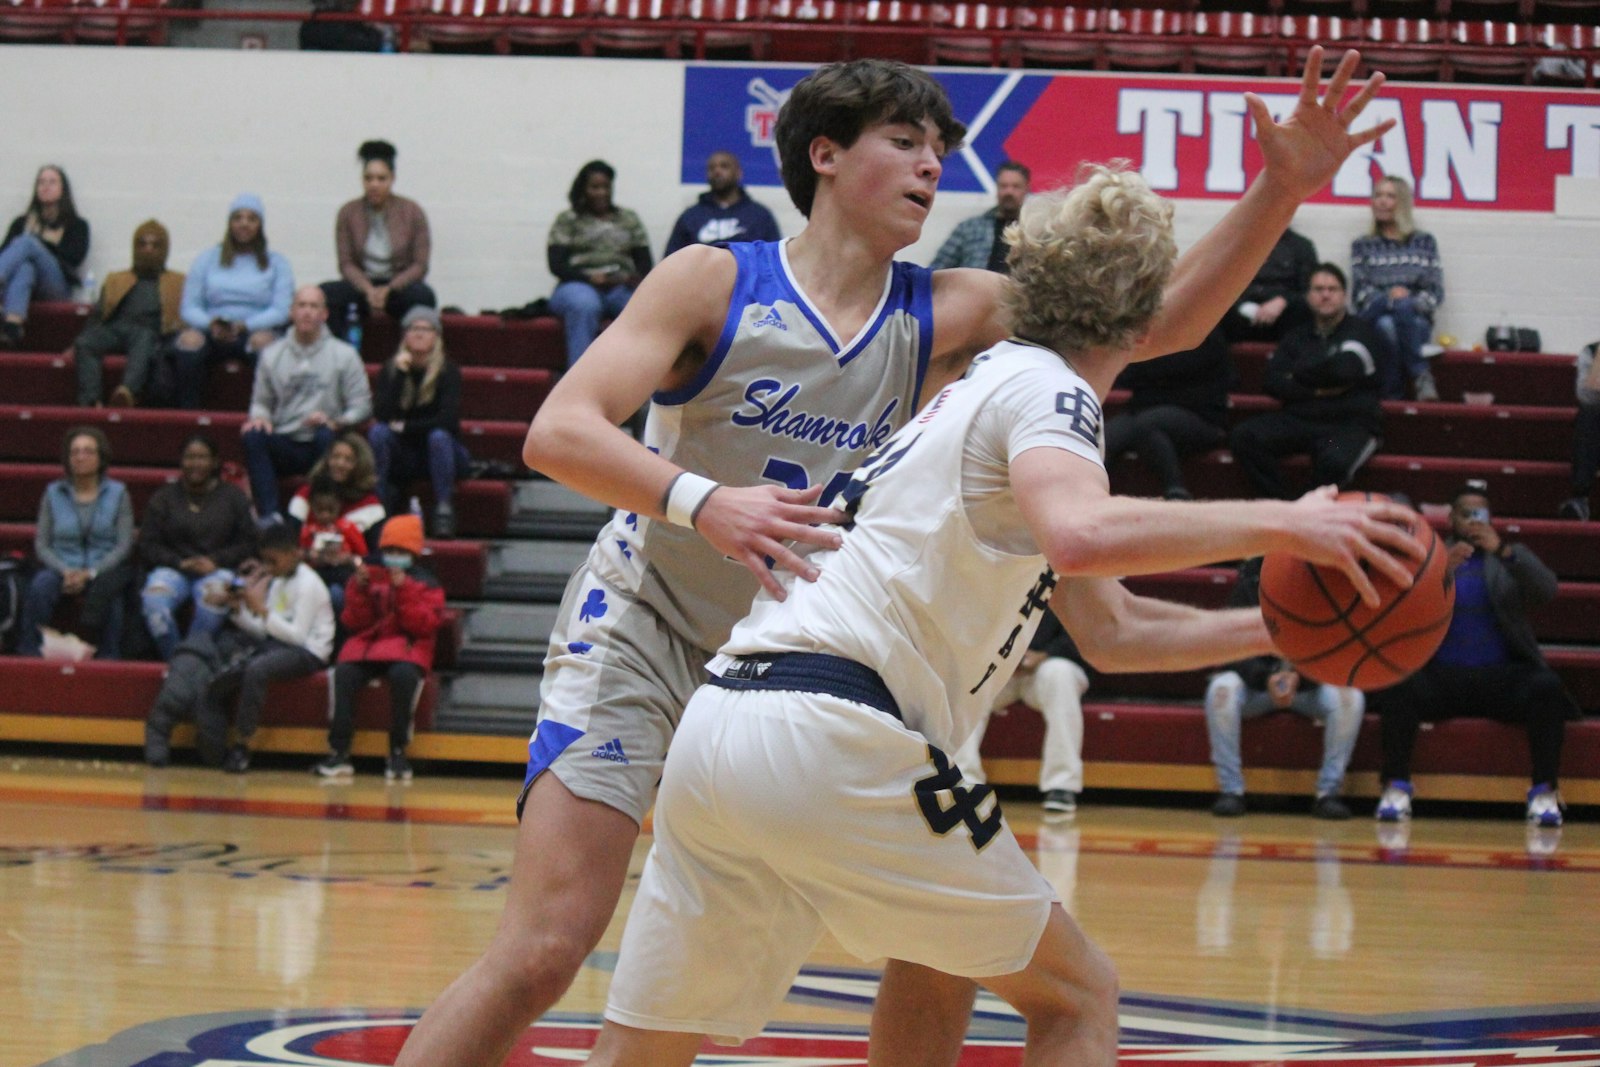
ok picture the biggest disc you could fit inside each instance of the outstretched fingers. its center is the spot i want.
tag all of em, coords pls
(1341, 80)
(1311, 77)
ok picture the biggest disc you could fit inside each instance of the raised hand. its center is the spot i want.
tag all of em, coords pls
(750, 524)
(1303, 152)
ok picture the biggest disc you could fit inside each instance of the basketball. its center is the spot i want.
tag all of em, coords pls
(1319, 623)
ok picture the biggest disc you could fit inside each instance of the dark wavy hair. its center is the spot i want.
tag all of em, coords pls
(575, 195)
(841, 100)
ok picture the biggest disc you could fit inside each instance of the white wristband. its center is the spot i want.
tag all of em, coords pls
(686, 496)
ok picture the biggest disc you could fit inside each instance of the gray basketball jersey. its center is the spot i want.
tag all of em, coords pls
(781, 399)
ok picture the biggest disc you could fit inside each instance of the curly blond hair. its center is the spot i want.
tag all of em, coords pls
(1089, 262)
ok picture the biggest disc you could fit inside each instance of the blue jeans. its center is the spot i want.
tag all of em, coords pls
(1229, 700)
(100, 621)
(1407, 329)
(270, 455)
(580, 306)
(29, 269)
(400, 460)
(165, 591)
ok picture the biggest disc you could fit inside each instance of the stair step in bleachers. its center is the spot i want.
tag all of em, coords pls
(487, 392)
(1175, 734)
(1570, 617)
(470, 340)
(148, 436)
(1536, 379)
(483, 508)
(102, 690)
(1520, 487)
(460, 566)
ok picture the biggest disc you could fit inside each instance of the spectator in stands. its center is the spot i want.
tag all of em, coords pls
(393, 614)
(598, 252)
(136, 310)
(1489, 664)
(1179, 407)
(1050, 678)
(1585, 436)
(1324, 372)
(1399, 285)
(42, 253)
(1275, 300)
(284, 609)
(325, 32)
(84, 545)
(417, 413)
(308, 387)
(195, 534)
(725, 212)
(1255, 687)
(236, 300)
(333, 545)
(979, 241)
(383, 245)
(349, 465)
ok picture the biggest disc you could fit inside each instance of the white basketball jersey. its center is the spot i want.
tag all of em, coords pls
(913, 592)
(781, 399)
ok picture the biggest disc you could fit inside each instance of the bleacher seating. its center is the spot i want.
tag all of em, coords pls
(1142, 729)
(1474, 40)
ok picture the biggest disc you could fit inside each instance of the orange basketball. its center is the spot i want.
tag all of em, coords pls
(1319, 623)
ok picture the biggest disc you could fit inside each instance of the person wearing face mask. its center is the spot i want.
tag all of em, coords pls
(393, 614)
(137, 308)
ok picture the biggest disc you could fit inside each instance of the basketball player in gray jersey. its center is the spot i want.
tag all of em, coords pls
(769, 373)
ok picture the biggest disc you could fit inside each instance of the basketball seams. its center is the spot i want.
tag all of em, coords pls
(1383, 613)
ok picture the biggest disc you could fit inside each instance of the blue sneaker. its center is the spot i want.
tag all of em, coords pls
(1544, 806)
(1395, 804)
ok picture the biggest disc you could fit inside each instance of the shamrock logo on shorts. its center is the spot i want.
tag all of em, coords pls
(593, 607)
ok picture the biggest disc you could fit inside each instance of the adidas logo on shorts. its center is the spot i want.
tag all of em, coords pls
(611, 750)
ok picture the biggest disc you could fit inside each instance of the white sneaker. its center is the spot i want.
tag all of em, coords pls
(1395, 804)
(1544, 806)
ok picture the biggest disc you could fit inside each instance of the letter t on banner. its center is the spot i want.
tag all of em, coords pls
(1162, 114)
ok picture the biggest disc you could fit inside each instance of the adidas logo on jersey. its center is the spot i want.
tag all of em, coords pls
(771, 318)
(611, 750)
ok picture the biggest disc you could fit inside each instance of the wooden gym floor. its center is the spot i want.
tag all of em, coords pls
(184, 918)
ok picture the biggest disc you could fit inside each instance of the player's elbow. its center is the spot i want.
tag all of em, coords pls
(550, 440)
(1077, 550)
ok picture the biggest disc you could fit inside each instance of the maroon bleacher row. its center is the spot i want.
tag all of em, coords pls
(1520, 443)
(1479, 40)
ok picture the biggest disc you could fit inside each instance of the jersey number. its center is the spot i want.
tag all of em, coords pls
(797, 477)
(966, 803)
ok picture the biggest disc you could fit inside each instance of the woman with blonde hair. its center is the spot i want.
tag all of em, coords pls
(416, 411)
(1397, 285)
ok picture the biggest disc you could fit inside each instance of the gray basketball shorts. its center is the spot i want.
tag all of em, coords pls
(616, 680)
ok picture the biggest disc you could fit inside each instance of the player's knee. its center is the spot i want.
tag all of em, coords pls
(538, 966)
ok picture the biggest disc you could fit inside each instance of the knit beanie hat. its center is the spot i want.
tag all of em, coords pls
(403, 531)
(248, 202)
(422, 313)
(154, 262)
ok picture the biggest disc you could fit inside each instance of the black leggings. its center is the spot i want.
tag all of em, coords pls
(1161, 435)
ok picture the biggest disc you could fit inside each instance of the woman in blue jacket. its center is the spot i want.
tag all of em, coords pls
(235, 300)
(84, 543)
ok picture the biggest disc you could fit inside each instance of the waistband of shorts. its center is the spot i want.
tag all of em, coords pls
(811, 672)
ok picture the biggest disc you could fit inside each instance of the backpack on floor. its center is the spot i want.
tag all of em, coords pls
(13, 586)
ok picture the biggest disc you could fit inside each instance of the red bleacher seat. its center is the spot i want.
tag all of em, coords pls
(1402, 48)
(1055, 36)
(1237, 42)
(633, 34)
(1150, 53)
(1490, 51)
(34, 20)
(720, 34)
(483, 508)
(465, 26)
(1524, 378)
(120, 21)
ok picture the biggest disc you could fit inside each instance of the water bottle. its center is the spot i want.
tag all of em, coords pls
(416, 507)
(387, 42)
(352, 326)
(88, 287)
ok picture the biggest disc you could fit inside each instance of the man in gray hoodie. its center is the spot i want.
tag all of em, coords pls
(309, 385)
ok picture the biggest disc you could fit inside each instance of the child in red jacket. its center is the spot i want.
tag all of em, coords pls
(393, 614)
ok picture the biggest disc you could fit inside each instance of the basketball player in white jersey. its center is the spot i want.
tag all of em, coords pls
(784, 365)
(808, 790)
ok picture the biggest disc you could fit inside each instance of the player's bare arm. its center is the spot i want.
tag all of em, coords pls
(1117, 630)
(678, 309)
(1301, 154)
(1084, 531)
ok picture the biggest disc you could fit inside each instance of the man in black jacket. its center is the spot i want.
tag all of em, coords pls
(1489, 665)
(1325, 373)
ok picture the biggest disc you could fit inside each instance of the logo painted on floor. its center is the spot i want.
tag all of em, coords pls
(1161, 1031)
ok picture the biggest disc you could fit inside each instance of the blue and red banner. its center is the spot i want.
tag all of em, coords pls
(1471, 147)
